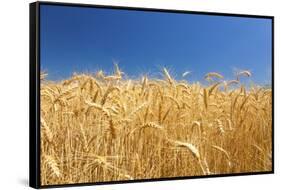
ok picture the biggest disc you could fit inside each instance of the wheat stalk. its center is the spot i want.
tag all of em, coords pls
(52, 164)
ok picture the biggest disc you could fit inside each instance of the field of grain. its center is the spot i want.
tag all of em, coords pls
(97, 128)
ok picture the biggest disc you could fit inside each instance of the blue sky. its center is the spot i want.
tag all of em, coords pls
(76, 39)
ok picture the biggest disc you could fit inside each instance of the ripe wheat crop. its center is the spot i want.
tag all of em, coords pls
(98, 128)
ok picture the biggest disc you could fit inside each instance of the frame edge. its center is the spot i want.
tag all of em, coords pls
(34, 138)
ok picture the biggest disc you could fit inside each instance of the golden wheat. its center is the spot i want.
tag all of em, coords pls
(97, 128)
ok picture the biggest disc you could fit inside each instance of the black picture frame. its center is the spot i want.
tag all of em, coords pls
(34, 91)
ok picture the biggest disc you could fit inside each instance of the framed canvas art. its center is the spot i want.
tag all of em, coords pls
(126, 94)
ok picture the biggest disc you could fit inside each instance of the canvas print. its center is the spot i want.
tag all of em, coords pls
(134, 95)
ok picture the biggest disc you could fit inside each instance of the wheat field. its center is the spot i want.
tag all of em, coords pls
(98, 128)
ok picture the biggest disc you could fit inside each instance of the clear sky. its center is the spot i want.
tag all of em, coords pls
(77, 39)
